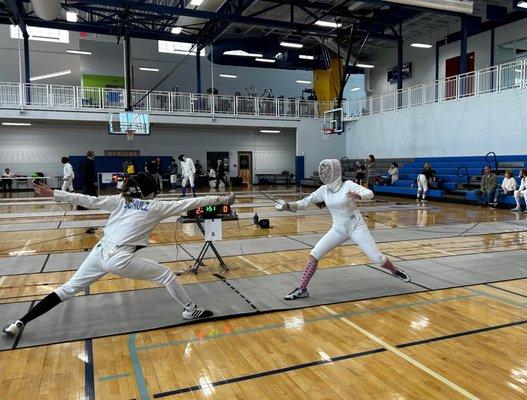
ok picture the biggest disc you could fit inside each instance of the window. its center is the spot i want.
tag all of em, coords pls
(164, 46)
(512, 51)
(42, 34)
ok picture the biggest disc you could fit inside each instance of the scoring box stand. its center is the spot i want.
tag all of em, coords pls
(212, 217)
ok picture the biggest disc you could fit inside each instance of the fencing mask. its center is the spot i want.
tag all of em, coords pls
(141, 186)
(330, 173)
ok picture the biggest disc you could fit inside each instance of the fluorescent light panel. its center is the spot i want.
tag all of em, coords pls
(306, 57)
(360, 65)
(149, 69)
(421, 45)
(85, 53)
(176, 30)
(522, 4)
(269, 131)
(291, 44)
(328, 24)
(196, 2)
(71, 16)
(265, 60)
(355, 89)
(241, 53)
(16, 124)
(228, 76)
(302, 81)
(52, 75)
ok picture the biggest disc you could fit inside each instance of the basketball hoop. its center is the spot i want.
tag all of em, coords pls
(130, 134)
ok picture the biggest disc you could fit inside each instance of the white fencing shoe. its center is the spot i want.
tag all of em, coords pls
(14, 328)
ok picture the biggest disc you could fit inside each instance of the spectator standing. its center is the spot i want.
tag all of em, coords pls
(370, 170)
(424, 179)
(220, 174)
(508, 186)
(89, 176)
(67, 176)
(360, 173)
(7, 180)
(172, 170)
(487, 190)
(199, 172)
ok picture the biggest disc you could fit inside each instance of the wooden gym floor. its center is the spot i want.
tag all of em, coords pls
(466, 342)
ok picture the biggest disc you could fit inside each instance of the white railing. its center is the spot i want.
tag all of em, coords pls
(60, 97)
(498, 78)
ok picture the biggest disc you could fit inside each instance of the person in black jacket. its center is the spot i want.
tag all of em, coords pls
(220, 174)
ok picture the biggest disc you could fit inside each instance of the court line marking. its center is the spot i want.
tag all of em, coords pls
(404, 356)
(138, 371)
(254, 264)
(506, 290)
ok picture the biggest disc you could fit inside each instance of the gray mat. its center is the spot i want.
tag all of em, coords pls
(444, 272)
(329, 286)
(124, 312)
(28, 227)
(99, 315)
(22, 264)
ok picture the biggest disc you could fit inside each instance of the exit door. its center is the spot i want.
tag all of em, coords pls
(245, 166)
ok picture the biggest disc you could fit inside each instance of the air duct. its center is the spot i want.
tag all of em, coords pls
(47, 9)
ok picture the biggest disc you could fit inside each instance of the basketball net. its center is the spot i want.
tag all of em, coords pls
(130, 134)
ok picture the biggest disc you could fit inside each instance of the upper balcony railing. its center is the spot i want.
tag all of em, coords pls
(76, 98)
(488, 80)
(60, 97)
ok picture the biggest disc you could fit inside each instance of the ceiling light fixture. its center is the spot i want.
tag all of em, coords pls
(16, 124)
(149, 69)
(265, 60)
(269, 131)
(360, 65)
(306, 57)
(303, 81)
(82, 52)
(176, 30)
(291, 44)
(228, 76)
(241, 53)
(328, 24)
(421, 45)
(52, 75)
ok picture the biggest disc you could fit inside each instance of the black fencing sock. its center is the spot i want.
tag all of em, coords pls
(42, 307)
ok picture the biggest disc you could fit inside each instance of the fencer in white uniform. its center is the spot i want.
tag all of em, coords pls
(339, 197)
(132, 219)
(188, 172)
(67, 175)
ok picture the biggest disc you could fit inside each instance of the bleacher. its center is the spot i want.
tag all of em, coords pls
(453, 171)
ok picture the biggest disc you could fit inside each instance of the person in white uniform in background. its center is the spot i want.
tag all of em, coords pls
(131, 220)
(188, 172)
(521, 192)
(340, 198)
(67, 175)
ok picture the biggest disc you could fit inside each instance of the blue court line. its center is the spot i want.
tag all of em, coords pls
(316, 319)
(113, 377)
(138, 371)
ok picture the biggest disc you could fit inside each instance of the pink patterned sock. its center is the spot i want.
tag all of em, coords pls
(389, 266)
(309, 271)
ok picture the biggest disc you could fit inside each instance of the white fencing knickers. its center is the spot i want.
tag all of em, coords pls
(189, 178)
(67, 185)
(422, 186)
(356, 230)
(110, 258)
